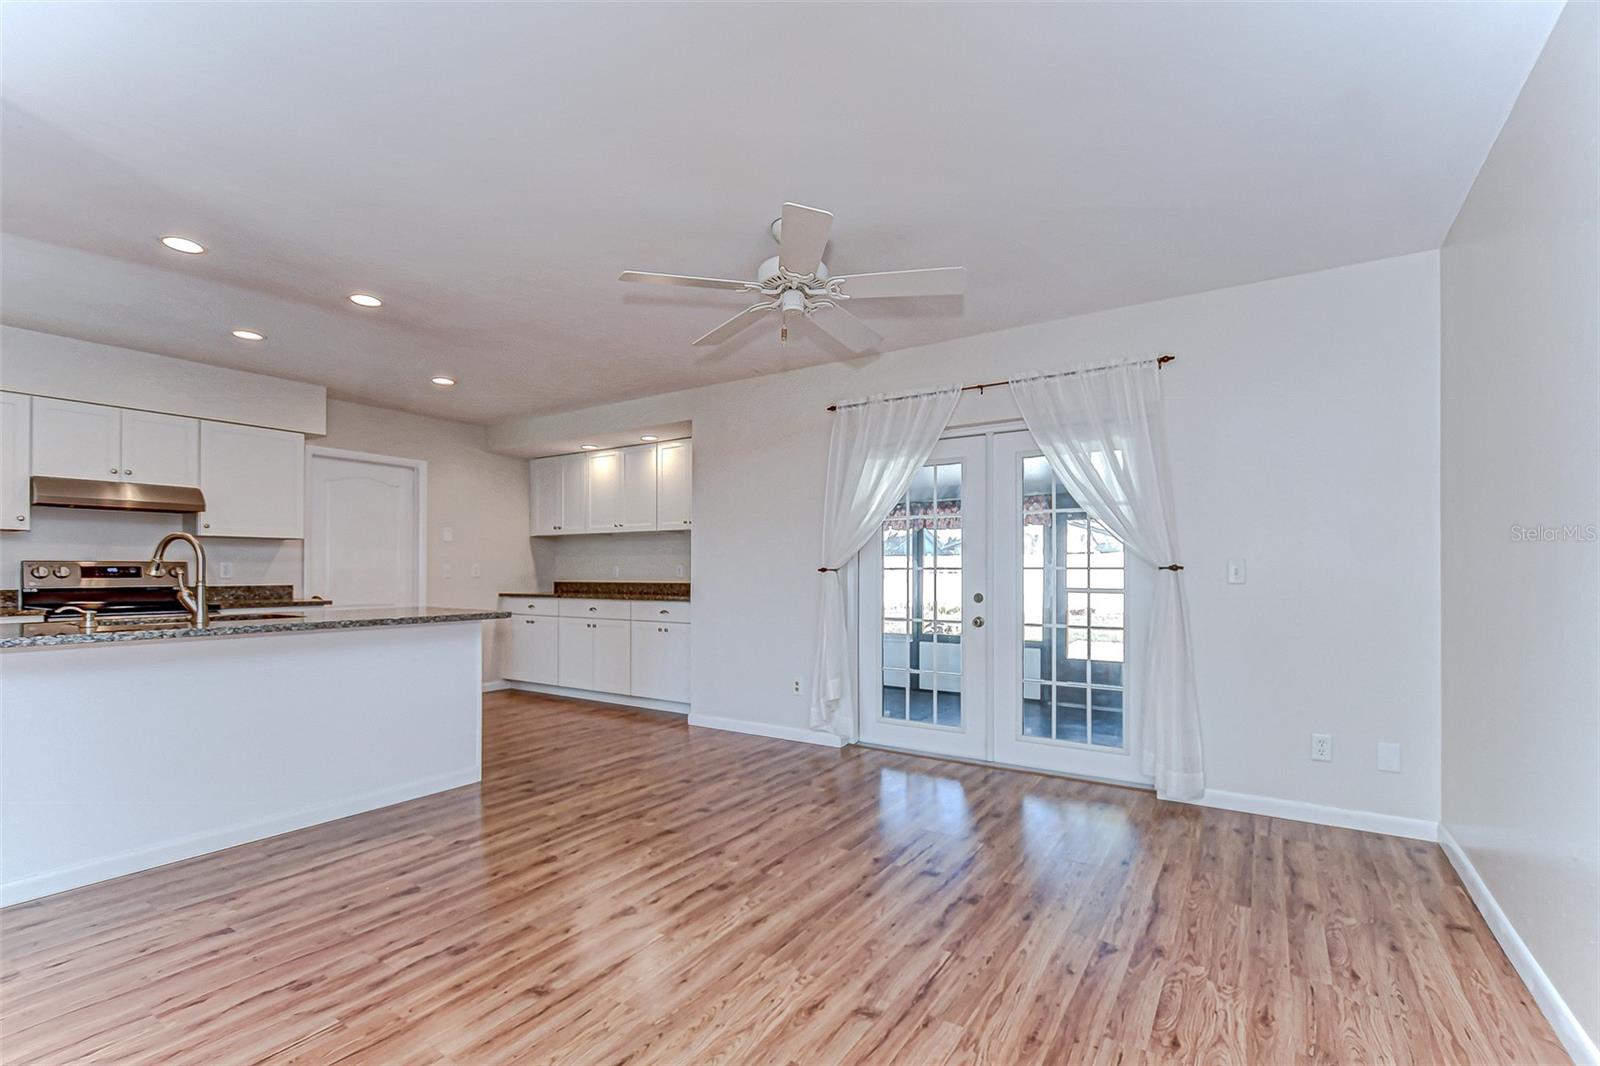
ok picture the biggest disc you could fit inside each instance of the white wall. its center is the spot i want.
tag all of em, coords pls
(611, 557)
(1521, 656)
(1304, 426)
(43, 364)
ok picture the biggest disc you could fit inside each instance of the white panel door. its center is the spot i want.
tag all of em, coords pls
(160, 449)
(661, 661)
(674, 464)
(605, 491)
(253, 480)
(544, 490)
(575, 653)
(81, 440)
(638, 505)
(16, 465)
(924, 647)
(613, 657)
(574, 493)
(363, 532)
(534, 650)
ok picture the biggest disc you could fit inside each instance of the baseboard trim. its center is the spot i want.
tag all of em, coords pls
(1318, 814)
(764, 729)
(170, 851)
(1579, 1044)
(496, 686)
(641, 702)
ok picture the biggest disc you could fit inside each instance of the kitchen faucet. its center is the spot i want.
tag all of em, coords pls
(193, 600)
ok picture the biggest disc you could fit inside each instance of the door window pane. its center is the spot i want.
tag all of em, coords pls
(1074, 613)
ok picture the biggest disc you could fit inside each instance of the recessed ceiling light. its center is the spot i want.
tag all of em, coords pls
(365, 300)
(184, 245)
(249, 335)
(648, 437)
(443, 382)
(588, 447)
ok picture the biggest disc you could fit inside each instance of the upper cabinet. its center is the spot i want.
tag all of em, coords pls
(16, 445)
(95, 442)
(253, 480)
(559, 495)
(620, 490)
(674, 461)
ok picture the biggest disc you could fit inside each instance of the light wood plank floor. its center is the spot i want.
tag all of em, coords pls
(625, 889)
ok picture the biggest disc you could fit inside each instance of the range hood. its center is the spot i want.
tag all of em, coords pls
(116, 495)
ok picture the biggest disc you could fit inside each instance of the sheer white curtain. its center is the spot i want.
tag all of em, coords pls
(876, 446)
(1103, 432)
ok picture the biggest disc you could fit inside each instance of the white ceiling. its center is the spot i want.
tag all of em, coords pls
(488, 169)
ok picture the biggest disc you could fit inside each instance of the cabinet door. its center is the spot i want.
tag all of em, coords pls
(574, 493)
(605, 491)
(534, 650)
(575, 653)
(661, 661)
(253, 480)
(613, 661)
(674, 460)
(160, 449)
(16, 466)
(638, 510)
(71, 439)
(545, 491)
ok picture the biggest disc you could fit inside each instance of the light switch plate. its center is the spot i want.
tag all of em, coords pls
(1235, 571)
(1389, 757)
(477, 570)
(448, 534)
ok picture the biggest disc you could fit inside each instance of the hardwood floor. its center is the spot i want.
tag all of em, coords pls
(622, 888)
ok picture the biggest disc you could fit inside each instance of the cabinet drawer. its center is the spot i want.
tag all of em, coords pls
(576, 608)
(539, 605)
(660, 611)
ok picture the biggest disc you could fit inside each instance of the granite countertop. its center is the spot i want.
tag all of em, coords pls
(60, 634)
(615, 590)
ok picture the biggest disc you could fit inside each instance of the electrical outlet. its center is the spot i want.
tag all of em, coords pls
(680, 569)
(477, 570)
(446, 569)
(797, 686)
(1322, 747)
(1389, 757)
(226, 571)
(449, 534)
(616, 571)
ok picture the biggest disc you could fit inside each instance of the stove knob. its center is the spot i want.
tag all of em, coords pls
(62, 571)
(40, 571)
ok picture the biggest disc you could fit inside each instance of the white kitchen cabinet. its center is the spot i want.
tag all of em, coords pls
(544, 492)
(16, 465)
(674, 463)
(637, 507)
(660, 654)
(79, 440)
(533, 653)
(96, 442)
(160, 449)
(605, 491)
(253, 480)
(593, 654)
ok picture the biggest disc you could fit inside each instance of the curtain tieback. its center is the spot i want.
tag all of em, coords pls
(1174, 568)
(827, 569)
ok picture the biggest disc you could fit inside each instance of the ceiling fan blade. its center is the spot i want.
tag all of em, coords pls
(935, 281)
(846, 328)
(735, 324)
(681, 279)
(804, 235)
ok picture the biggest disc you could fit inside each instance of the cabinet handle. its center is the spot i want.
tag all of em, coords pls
(205, 525)
(529, 621)
(665, 611)
(22, 518)
(113, 470)
(593, 609)
(127, 471)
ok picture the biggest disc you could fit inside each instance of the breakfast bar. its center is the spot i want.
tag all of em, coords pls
(134, 746)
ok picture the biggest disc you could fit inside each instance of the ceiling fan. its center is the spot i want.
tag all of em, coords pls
(796, 284)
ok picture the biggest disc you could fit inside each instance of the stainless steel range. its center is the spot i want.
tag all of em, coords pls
(107, 589)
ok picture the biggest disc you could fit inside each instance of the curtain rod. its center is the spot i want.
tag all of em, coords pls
(1160, 360)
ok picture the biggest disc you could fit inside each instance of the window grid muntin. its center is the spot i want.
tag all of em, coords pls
(921, 543)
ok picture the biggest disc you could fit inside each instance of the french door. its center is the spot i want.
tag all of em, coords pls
(995, 618)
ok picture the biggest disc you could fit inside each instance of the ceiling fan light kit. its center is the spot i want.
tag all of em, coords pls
(796, 284)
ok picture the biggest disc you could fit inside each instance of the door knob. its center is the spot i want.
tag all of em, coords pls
(977, 623)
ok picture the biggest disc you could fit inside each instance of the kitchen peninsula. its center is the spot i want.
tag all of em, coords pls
(130, 747)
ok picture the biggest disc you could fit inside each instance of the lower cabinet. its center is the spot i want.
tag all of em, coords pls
(593, 654)
(533, 655)
(661, 661)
